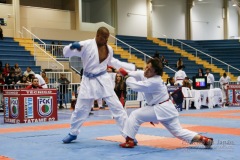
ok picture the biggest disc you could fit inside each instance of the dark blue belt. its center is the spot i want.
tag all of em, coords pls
(91, 75)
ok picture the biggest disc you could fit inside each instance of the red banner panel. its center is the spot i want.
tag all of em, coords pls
(30, 106)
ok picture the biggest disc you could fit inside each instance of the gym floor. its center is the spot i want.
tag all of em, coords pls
(100, 137)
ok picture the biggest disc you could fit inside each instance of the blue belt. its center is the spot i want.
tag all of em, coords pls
(91, 75)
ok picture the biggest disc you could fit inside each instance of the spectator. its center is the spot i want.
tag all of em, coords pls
(186, 83)
(224, 81)
(53, 48)
(6, 70)
(179, 76)
(210, 78)
(63, 81)
(1, 33)
(156, 55)
(17, 71)
(28, 71)
(45, 77)
(164, 61)
(200, 73)
(23, 81)
(171, 81)
(10, 80)
(180, 63)
(34, 85)
(1, 69)
(1, 90)
(41, 81)
(120, 88)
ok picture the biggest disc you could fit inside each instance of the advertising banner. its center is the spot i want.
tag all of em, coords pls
(30, 106)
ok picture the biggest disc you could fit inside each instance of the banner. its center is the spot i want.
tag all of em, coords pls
(233, 95)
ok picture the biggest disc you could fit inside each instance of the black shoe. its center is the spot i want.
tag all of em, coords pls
(90, 113)
(61, 107)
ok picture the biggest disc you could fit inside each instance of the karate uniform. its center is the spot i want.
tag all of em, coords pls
(179, 77)
(158, 108)
(100, 87)
(223, 82)
(41, 81)
(210, 79)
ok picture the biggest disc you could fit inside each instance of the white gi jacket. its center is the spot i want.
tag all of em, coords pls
(155, 92)
(41, 81)
(101, 86)
(179, 77)
(210, 79)
(223, 81)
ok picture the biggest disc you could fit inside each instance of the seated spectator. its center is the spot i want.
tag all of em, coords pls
(34, 85)
(45, 77)
(10, 80)
(28, 71)
(23, 81)
(186, 83)
(1, 69)
(170, 81)
(6, 70)
(41, 81)
(18, 71)
(1, 90)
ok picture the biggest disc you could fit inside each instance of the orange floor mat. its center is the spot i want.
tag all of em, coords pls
(151, 141)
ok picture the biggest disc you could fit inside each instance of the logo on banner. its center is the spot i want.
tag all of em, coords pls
(230, 95)
(237, 95)
(6, 107)
(28, 107)
(45, 106)
(220, 100)
(14, 107)
(202, 96)
(207, 100)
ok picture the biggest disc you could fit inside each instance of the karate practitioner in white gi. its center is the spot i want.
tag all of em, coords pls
(224, 81)
(158, 108)
(96, 83)
(179, 76)
(210, 78)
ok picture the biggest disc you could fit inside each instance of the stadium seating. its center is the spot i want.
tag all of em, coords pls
(11, 52)
(224, 50)
(150, 48)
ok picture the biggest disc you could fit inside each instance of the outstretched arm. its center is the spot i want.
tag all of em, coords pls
(73, 49)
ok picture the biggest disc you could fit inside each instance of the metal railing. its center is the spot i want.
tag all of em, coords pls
(130, 48)
(65, 91)
(197, 51)
(203, 53)
(42, 58)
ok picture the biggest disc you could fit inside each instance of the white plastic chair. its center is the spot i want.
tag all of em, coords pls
(187, 97)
